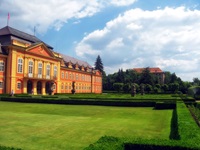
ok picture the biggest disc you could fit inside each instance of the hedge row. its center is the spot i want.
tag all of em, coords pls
(8, 148)
(165, 105)
(174, 133)
(81, 102)
(195, 112)
(111, 143)
(185, 137)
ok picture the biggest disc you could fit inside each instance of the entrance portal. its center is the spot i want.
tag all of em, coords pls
(39, 87)
(48, 87)
(29, 86)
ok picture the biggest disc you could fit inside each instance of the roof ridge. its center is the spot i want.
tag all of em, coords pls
(20, 31)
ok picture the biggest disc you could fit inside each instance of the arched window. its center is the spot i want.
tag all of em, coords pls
(39, 70)
(19, 85)
(30, 68)
(20, 65)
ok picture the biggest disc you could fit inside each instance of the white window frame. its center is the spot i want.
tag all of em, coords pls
(2, 66)
(48, 68)
(55, 71)
(39, 70)
(30, 69)
(1, 84)
(20, 65)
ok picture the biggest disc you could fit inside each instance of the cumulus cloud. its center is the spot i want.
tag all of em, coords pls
(45, 14)
(165, 38)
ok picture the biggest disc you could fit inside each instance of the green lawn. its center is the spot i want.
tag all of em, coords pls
(53, 127)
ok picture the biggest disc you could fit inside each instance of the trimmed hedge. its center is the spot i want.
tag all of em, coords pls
(165, 105)
(8, 148)
(81, 102)
(174, 133)
(185, 135)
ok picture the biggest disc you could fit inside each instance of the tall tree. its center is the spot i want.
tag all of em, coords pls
(146, 77)
(98, 64)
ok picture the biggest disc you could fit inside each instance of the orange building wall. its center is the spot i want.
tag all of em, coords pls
(85, 82)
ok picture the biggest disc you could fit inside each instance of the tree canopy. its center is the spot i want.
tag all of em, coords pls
(98, 64)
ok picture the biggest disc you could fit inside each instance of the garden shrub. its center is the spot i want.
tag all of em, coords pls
(8, 148)
(106, 143)
(188, 129)
(195, 113)
(174, 133)
(194, 92)
(165, 105)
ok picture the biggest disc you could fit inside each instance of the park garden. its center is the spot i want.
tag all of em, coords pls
(133, 112)
(99, 121)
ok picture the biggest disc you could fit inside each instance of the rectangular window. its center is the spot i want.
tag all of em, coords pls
(1, 84)
(62, 75)
(20, 65)
(39, 70)
(70, 75)
(66, 75)
(2, 66)
(48, 72)
(55, 71)
(30, 69)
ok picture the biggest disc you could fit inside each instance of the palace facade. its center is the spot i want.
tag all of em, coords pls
(28, 65)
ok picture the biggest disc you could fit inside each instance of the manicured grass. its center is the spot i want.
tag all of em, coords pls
(45, 126)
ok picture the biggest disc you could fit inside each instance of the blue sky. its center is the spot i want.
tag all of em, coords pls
(125, 33)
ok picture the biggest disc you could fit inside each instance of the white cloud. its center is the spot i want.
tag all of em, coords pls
(167, 38)
(122, 2)
(45, 14)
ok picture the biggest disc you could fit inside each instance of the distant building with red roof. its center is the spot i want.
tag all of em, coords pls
(157, 72)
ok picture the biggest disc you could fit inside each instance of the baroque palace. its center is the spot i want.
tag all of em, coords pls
(28, 65)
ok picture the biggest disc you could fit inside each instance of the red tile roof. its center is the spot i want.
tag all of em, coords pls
(152, 70)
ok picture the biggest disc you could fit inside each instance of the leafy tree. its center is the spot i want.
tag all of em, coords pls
(146, 77)
(174, 87)
(196, 82)
(98, 64)
(148, 88)
(164, 87)
(173, 78)
(127, 88)
(120, 76)
(118, 86)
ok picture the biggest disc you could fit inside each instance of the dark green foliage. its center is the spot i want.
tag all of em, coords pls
(194, 91)
(8, 148)
(164, 87)
(188, 129)
(195, 111)
(107, 143)
(174, 134)
(173, 87)
(196, 82)
(84, 102)
(146, 77)
(118, 86)
(98, 64)
(130, 146)
(165, 105)
(127, 88)
(148, 88)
